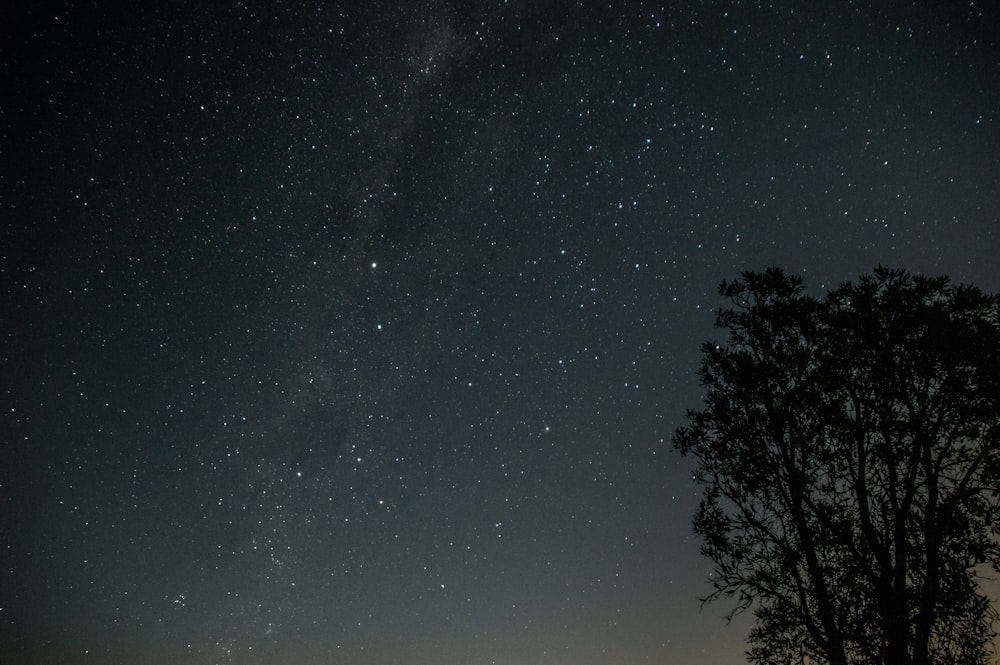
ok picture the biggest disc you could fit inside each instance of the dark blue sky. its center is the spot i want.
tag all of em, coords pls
(357, 332)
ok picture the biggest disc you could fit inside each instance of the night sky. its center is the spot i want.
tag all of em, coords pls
(356, 333)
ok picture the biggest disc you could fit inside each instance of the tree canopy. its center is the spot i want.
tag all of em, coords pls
(849, 454)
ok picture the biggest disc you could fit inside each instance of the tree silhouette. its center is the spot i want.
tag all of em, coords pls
(849, 451)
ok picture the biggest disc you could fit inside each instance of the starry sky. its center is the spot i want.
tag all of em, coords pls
(356, 332)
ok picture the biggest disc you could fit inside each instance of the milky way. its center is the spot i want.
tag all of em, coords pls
(357, 333)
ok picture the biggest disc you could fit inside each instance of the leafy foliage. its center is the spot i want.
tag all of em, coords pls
(849, 451)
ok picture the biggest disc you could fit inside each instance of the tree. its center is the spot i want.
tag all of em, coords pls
(849, 452)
